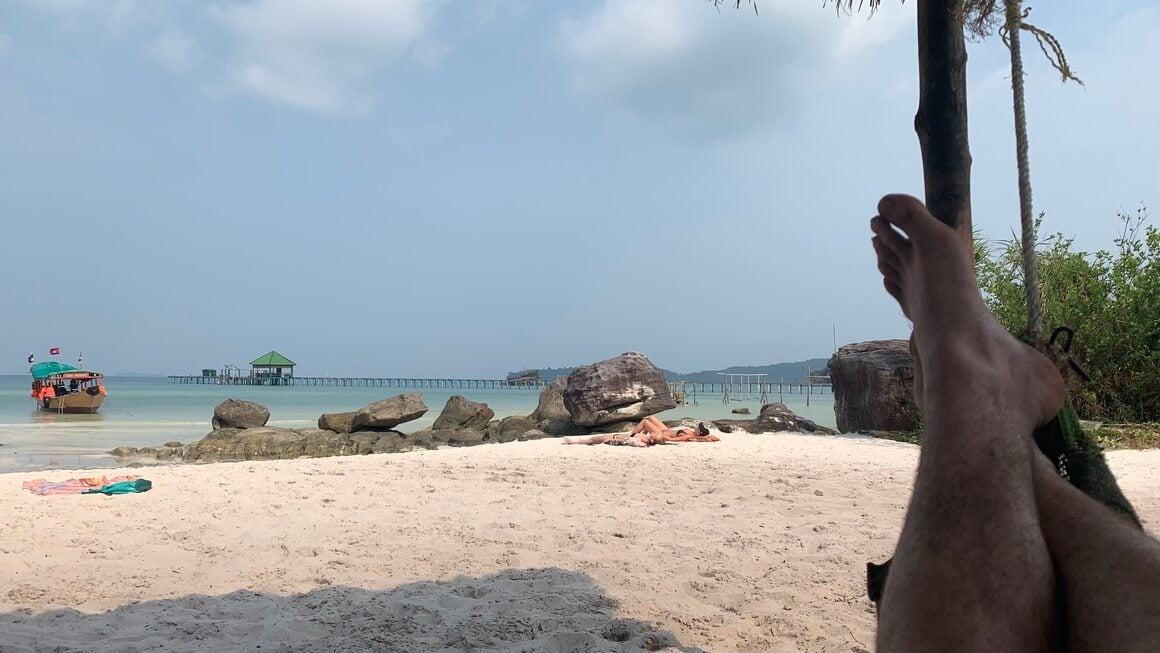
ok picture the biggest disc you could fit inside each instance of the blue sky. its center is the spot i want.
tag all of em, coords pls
(468, 187)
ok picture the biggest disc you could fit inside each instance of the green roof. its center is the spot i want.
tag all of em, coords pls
(41, 371)
(272, 359)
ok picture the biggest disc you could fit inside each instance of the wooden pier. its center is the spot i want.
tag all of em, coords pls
(735, 391)
(359, 382)
(686, 392)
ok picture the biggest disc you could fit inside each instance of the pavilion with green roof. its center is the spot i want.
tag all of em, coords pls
(272, 366)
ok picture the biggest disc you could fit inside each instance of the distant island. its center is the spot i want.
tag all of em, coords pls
(790, 372)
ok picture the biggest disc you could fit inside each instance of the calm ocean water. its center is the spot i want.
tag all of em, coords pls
(143, 412)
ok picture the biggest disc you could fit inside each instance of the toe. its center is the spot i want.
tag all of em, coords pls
(886, 255)
(889, 236)
(889, 271)
(905, 212)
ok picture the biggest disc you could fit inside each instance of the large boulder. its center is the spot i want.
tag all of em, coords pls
(551, 415)
(337, 422)
(627, 387)
(873, 384)
(387, 414)
(462, 413)
(551, 404)
(239, 414)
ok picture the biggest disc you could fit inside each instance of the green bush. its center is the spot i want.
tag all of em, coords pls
(1110, 299)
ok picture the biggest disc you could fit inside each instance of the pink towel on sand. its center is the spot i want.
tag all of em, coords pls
(73, 485)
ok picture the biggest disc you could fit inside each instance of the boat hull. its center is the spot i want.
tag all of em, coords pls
(81, 403)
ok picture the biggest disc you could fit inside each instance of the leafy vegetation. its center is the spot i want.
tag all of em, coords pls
(1110, 299)
(1128, 436)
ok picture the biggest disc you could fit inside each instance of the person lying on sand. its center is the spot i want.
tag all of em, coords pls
(649, 431)
(998, 552)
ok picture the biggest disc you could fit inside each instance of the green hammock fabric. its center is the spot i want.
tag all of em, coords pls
(1080, 460)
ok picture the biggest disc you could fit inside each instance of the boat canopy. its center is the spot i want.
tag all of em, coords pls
(41, 371)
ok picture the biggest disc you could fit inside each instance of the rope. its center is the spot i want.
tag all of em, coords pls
(1030, 269)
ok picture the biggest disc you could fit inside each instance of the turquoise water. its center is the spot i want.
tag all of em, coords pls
(142, 412)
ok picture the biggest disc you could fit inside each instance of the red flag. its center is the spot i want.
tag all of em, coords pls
(54, 351)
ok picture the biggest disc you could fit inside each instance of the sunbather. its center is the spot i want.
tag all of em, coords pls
(649, 431)
(998, 552)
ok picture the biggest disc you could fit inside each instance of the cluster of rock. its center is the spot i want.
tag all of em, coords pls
(773, 418)
(608, 396)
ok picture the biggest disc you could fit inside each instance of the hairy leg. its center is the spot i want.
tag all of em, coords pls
(1108, 570)
(972, 571)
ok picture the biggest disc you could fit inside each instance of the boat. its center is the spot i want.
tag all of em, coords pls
(61, 388)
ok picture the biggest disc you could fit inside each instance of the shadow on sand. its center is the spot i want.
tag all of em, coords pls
(550, 610)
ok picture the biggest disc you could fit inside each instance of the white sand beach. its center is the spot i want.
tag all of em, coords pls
(755, 543)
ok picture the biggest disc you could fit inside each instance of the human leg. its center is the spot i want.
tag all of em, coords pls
(592, 439)
(1107, 569)
(653, 425)
(972, 570)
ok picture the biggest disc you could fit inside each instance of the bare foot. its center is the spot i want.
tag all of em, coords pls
(930, 273)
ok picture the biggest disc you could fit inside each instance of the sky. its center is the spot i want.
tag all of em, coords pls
(463, 188)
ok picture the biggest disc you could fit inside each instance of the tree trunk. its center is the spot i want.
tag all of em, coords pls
(941, 121)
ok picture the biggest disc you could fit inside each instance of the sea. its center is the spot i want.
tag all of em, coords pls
(151, 411)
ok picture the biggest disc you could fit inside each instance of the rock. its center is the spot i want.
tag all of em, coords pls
(389, 413)
(461, 437)
(551, 406)
(172, 443)
(259, 443)
(627, 387)
(616, 427)
(740, 411)
(511, 428)
(337, 422)
(271, 443)
(873, 387)
(366, 442)
(774, 418)
(239, 414)
(561, 426)
(534, 434)
(777, 417)
(461, 413)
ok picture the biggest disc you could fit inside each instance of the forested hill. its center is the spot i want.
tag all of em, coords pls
(791, 372)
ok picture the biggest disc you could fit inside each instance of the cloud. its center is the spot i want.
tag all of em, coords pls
(174, 51)
(708, 74)
(117, 15)
(321, 55)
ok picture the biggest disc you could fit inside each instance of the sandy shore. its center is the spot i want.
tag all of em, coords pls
(756, 543)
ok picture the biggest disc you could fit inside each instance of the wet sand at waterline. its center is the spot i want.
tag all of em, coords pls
(755, 543)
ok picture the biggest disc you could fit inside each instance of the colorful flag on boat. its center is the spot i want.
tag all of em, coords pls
(31, 358)
(54, 351)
